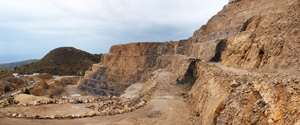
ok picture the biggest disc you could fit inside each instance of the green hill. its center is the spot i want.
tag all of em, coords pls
(61, 61)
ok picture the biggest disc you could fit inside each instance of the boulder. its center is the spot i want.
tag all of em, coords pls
(121, 111)
(39, 117)
(33, 116)
(14, 115)
(98, 113)
(104, 113)
(85, 115)
(47, 117)
(126, 108)
(57, 116)
(8, 114)
(63, 116)
(132, 109)
(111, 112)
(91, 114)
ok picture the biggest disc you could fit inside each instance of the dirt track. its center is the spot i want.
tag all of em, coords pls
(165, 107)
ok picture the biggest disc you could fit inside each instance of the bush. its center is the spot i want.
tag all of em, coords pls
(16, 80)
(27, 91)
(234, 1)
(6, 89)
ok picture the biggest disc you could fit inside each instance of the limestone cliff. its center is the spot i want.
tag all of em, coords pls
(128, 64)
(248, 73)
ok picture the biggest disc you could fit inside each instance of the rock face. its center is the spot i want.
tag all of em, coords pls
(128, 64)
(254, 45)
(225, 95)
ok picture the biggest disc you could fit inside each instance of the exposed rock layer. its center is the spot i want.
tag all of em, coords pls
(128, 64)
(257, 35)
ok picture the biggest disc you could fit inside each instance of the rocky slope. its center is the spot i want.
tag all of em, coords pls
(248, 73)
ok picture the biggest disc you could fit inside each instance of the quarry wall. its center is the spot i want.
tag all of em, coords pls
(257, 41)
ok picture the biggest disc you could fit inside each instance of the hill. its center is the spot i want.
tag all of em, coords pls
(61, 61)
(242, 68)
(14, 64)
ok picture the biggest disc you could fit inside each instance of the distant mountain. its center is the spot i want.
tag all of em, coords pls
(62, 61)
(16, 64)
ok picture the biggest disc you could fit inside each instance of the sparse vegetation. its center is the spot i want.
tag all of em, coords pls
(5, 73)
(61, 61)
(27, 91)
(11, 83)
(234, 1)
(15, 80)
(6, 89)
(15, 65)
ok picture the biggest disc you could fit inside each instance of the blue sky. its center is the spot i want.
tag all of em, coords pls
(29, 29)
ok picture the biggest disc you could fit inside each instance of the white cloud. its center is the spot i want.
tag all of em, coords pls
(94, 24)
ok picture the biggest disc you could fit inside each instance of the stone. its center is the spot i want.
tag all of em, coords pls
(33, 116)
(121, 111)
(137, 106)
(9, 114)
(57, 117)
(277, 116)
(85, 115)
(132, 109)
(98, 113)
(14, 115)
(234, 84)
(126, 108)
(90, 106)
(111, 112)
(91, 114)
(104, 113)
(47, 117)
(36, 103)
(39, 117)
(63, 116)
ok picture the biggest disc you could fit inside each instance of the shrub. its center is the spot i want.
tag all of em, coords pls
(27, 91)
(6, 89)
(234, 1)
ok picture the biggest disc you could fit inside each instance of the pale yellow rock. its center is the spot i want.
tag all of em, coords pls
(277, 116)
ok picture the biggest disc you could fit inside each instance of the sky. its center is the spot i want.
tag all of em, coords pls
(29, 29)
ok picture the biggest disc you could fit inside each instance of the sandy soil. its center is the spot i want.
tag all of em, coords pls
(51, 109)
(165, 107)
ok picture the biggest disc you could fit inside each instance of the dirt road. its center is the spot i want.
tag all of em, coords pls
(165, 107)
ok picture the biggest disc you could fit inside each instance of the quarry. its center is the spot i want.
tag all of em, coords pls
(242, 67)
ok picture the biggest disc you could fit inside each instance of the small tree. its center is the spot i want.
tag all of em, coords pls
(6, 89)
(16, 67)
(27, 91)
